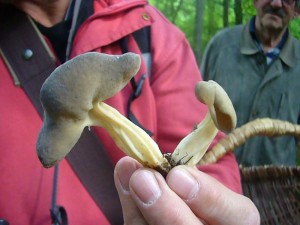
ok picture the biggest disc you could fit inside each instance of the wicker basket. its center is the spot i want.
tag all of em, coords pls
(275, 190)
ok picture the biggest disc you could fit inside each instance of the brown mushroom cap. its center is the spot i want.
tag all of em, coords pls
(219, 104)
(68, 96)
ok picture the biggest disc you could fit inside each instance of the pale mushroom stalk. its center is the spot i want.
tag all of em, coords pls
(221, 116)
(133, 140)
(73, 97)
(191, 148)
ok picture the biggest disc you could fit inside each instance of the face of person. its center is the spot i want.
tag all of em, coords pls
(274, 15)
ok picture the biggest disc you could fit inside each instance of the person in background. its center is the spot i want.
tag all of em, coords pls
(166, 99)
(257, 65)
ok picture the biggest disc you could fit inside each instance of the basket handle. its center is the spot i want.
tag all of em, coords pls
(263, 126)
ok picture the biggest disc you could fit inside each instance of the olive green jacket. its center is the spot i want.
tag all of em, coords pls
(233, 59)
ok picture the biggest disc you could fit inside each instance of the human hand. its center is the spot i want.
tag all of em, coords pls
(186, 196)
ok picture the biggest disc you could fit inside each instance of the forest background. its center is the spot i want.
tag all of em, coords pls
(201, 19)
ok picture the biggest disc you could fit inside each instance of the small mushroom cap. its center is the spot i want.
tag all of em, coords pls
(68, 96)
(219, 104)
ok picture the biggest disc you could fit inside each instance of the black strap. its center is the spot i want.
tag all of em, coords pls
(3, 222)
(142, 37)
(59, 216)
(28, 59)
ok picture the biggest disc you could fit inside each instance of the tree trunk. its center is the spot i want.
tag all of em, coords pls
(176, 9)
(238, 11)
(199, 29)
(225, 13)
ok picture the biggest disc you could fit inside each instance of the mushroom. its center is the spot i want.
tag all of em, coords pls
(72, 98)
(221, 116)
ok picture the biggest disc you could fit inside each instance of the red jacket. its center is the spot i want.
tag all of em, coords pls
(167, 107)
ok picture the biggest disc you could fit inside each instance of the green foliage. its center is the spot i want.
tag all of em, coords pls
(184, 18)
(295, 28)
(248, 9)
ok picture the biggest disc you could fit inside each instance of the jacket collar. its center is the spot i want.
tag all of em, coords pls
(249, 47)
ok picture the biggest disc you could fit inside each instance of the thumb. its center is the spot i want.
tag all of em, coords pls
(210, 200)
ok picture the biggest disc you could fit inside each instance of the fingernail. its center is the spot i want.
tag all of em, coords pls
(145, 186)
(183, 183)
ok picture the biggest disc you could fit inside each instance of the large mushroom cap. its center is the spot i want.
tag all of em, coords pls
(219, 104)
(68, 96)
(73, 87)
